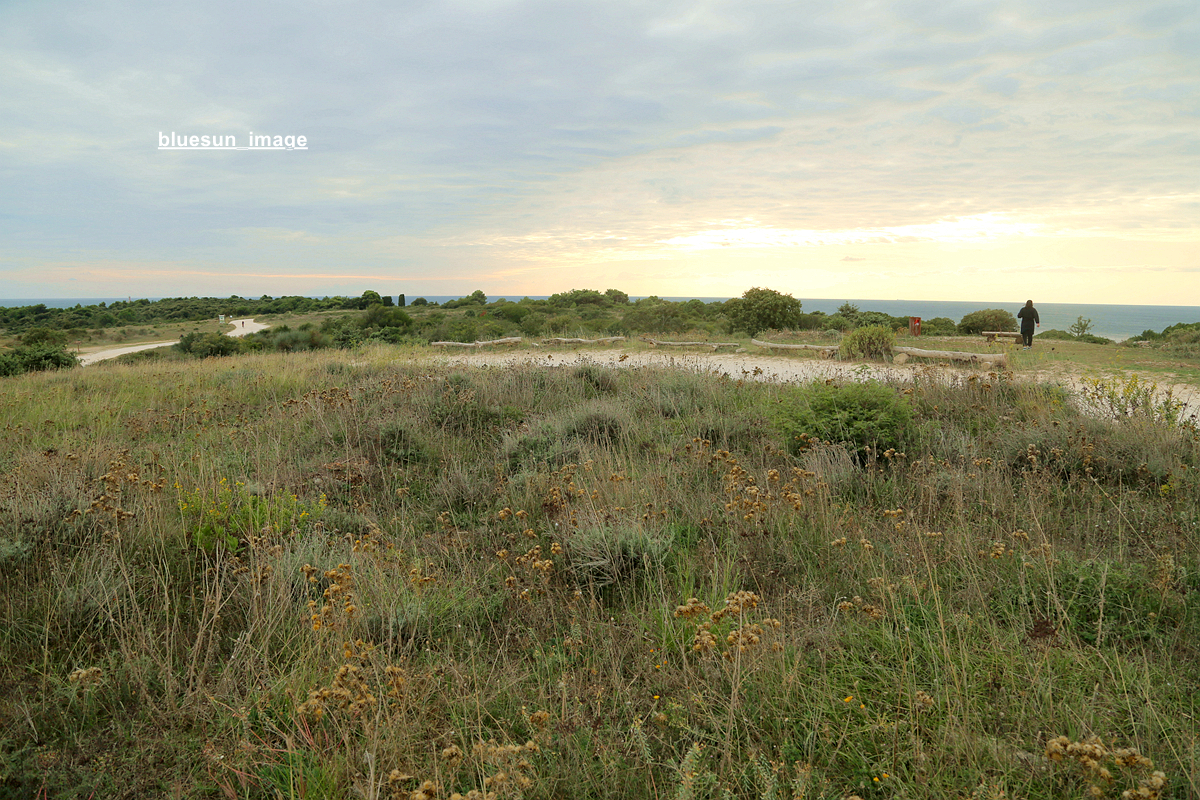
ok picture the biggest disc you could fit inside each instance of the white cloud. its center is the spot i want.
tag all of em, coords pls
(593, 130)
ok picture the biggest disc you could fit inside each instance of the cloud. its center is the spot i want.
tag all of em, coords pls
(581, 131)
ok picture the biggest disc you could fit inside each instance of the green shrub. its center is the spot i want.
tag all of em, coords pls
(870, 342)
(988, 319)
(865, 415)
(34, 336)
(36, 358)
(1058, 335)
(938, 326)
(204, 345)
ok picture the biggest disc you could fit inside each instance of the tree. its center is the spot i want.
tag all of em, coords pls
(1080, 327)
(759, 309)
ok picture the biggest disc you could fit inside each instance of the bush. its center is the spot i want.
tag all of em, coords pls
(871, 342)
(35, 358)
(203, 345)
(865, 415)
(938, 326)
(44, 336)
(989, 319)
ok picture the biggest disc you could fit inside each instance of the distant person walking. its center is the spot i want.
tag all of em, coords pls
(1029, 317)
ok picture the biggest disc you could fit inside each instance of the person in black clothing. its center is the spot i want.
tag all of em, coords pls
(1029, 317)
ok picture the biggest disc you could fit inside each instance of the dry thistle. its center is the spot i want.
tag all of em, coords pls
(86, 677)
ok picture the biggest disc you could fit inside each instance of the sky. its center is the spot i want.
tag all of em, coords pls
(918, 149)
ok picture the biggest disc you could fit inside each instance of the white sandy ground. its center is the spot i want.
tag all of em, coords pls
(766, 367)
(112, 352)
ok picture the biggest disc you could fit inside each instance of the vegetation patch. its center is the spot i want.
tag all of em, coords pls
(308, 575)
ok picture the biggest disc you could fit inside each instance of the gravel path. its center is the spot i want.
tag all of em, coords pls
(241, 327)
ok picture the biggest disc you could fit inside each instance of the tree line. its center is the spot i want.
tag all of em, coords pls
(474, 316)
(16, 320)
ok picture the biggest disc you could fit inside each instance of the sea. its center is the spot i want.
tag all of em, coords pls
(1116, 322)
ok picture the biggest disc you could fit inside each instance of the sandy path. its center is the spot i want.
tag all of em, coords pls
(241, 327)
(767, 367)
(113, 352)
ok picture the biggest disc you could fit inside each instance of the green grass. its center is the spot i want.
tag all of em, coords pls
(344, 574)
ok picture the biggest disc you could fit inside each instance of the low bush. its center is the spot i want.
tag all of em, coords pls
(868, 416)
(988, 319)
(36, 358)
(872, 342)
(204, 345)
(939, 326)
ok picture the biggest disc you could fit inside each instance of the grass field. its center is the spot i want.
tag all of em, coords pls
(371, 574)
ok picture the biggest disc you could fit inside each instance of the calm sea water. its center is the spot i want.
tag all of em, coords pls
(1111, 321)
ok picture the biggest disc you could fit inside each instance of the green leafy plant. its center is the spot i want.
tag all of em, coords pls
(865, 415)
(988, 319)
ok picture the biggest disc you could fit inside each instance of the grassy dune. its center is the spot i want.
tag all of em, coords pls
(366, 574)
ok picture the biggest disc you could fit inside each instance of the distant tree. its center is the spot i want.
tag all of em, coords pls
(475, 298)
(579, 297)
(760, 309)
(420, 301)
(617, 296)
(400, 300)
(388, 302)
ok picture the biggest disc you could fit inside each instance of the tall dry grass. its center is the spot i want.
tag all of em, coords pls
(364, 575)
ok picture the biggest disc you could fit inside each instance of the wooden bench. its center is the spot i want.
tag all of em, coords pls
(992, 335)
